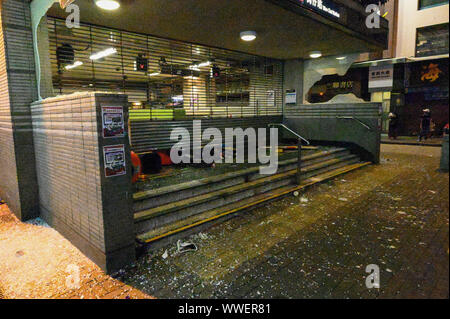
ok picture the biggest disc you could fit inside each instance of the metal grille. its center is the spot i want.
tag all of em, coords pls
(183, 80)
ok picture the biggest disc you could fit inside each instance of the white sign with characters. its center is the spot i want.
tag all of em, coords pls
(381, 76)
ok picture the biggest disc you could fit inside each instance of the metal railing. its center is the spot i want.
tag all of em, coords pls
(299, 139)
(356, 120)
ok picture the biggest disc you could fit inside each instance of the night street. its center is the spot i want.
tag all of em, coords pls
(224, 158)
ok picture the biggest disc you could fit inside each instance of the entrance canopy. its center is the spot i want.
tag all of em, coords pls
(285, 29)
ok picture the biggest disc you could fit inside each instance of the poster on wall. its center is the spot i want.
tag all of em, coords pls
(112, 121)
(291, 97)
(381, 77)
(114, 156)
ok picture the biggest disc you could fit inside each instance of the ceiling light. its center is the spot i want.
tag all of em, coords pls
(72, 66)
(108, 4)
(248, 35)
(341, 58)
(315, 54)
(103, 54)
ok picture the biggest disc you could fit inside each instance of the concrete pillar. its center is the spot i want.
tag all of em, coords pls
(293, 78)
(18, 184)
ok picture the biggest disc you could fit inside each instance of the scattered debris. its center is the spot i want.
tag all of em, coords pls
(183, 247)
(296, 194)
(20, 253)
(343, 199)
(432, 192)
(165, 255)
(304, 200)
(202, 236)
(401, 213)
(37, 222)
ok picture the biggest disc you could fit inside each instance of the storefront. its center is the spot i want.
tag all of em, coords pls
(406, 87)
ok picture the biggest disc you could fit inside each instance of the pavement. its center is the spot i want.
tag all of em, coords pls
(317, 245)
(412, 140)
(36, 262)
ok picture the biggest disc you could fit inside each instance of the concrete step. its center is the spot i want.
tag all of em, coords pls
(168, 194)
(170, 233)
(169, 213)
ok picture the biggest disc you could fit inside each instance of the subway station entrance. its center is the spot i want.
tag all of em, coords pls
(107, 95)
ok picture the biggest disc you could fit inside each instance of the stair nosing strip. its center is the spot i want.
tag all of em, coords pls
(312, 181)
(140, 217)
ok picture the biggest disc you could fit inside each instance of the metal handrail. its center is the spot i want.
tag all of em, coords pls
(290, 131)
(300, 139)
(355, 119)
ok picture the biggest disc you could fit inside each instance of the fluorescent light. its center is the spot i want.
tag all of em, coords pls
(154, 74)
(341, 58)
(72, 66)
(108, 4)
(203, 64)
(196, 67)
(248, 35)
(315, 54)
(103, 54)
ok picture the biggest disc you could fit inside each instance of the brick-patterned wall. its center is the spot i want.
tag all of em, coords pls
(75, 197)
(18, 81)
(67, 164)
(9, 186)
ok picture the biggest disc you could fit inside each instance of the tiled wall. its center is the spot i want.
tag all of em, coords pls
(9, 187)
(75, 197)
(67, 164)
(18, 184)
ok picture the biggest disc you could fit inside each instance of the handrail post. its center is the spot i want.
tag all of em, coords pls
(299, 162)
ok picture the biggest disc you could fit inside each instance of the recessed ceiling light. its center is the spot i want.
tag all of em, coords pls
(315, 54)
(248, 35)
(108, 4)
(341, 58)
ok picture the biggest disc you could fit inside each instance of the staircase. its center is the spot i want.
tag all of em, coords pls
(168, 213)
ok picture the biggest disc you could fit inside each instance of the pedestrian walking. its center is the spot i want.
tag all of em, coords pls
(425, 124)
(393, 125)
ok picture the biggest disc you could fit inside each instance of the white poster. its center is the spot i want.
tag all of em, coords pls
(291, 97)
(381, 76)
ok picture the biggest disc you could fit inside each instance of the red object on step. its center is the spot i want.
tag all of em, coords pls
(137, 167)
(165, 159)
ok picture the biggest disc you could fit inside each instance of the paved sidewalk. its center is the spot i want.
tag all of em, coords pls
(36, 262)
(412, 140)
(316, 245)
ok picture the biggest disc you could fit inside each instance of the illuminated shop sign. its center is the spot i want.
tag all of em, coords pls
(323, 6)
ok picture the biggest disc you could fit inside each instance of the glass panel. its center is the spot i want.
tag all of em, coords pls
(432, 40)
(423, 4)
